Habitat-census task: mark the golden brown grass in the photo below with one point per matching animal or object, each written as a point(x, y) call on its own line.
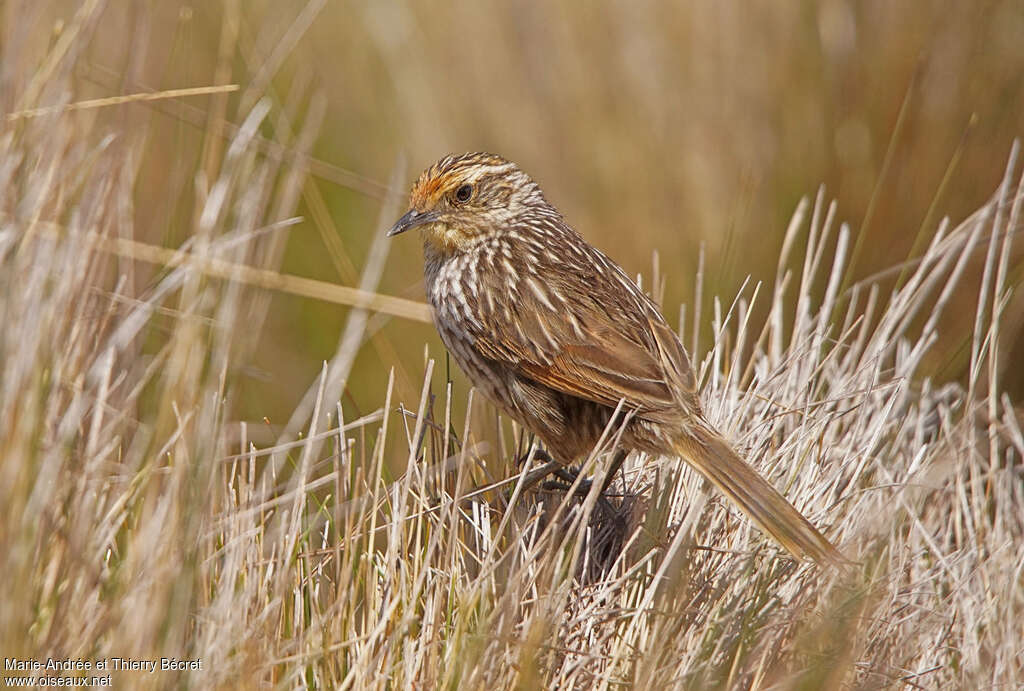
point(141, 516)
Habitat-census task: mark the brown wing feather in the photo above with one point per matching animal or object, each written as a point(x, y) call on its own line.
point(608, 362)
point(673, 355)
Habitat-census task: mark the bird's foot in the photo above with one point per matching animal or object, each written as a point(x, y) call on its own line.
point(544, 466)
point(537, 454)
point(566, 478)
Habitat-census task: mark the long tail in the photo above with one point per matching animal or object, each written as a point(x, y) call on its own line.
point(710, 454)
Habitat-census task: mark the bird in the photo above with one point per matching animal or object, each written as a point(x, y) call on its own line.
point(558, 337)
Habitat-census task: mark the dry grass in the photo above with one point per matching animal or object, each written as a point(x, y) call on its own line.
point(139, 519)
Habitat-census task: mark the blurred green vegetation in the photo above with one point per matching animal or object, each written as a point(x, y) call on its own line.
point(652, 126)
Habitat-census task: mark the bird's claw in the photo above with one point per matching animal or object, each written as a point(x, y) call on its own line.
point(538, 454)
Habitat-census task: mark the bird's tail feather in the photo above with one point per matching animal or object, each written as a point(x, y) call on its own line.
point(715, 459)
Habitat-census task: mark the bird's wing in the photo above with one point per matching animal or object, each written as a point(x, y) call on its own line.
point(599, 352)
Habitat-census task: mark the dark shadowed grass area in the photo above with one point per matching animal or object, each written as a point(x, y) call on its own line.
point(373, 530)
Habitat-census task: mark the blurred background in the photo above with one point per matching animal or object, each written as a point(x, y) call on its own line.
point(652, 126)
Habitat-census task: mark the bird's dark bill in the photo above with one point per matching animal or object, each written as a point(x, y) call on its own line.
point(410, 220)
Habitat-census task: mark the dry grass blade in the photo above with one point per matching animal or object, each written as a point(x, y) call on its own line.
point(268, 279)
point(120, 100)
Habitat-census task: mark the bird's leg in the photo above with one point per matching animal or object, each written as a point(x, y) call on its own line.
point(548, 466)
point(539, 454)
point(617, 461)
point(565, 475)
point(568, 477)
point(541, 472)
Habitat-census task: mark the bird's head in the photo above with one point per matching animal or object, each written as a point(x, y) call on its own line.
point(462, 200)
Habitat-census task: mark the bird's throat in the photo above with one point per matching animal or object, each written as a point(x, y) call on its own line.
point(444, 240)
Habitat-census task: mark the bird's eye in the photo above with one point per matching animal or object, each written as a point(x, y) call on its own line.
point(463, 194)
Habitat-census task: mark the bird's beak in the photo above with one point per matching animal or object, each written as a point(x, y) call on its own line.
point(412, 219)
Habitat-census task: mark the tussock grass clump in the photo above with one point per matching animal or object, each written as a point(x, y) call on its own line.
point(140, 521)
